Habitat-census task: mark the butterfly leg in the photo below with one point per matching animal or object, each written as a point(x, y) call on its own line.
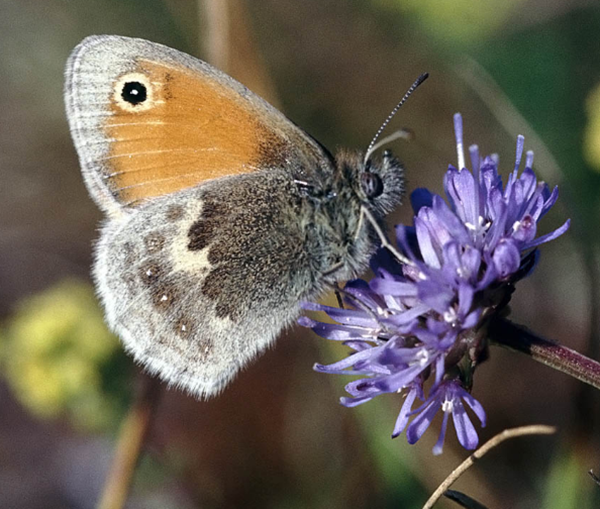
point(382, 237)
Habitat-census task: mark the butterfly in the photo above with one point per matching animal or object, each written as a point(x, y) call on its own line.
point(222, 215)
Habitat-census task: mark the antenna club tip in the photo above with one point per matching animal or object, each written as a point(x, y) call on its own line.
point(418, 82)
point(421, 79)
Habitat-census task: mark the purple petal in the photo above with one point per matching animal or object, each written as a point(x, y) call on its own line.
point(406, 238)
point(337, 332)
point(465, 431)
point(450, 188)
point(452, 256)
point(363, 387)
point(475, 160)
point(525, 229)
point(321, 368)
point(422, 421)
point(400, 379)
point(435, 295)
point(428, 336)
point(398, 355)
point(535, 206)
point(466, 197)
point(426, 245)
point(551, 200)
point(344, 316)
point(408, 316)
point(470, 263)
point(352, 402)
point(439, 369)
point(435, 328)
point(465, 299)
point(453, 227)
point(498, 212)
point(345, 363)
point(548, 237)
point(360, 289)
point(305, 321)
point(529, 182)
point(476, 407)
point(403, 416)
point(489, 175)
point(359, 345)
point(420, 197)
point(507, 258)
point(394, 288)
point(439, 445)
point(490, 274)
point(471, 319)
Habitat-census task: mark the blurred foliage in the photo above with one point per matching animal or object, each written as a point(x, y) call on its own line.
point(60, 359)
point(547, 71)
point(566, 487)
point(458, 21)
point(592, 131)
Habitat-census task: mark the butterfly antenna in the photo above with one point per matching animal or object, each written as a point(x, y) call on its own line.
point(412, 88)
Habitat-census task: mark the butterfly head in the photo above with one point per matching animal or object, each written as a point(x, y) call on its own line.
point(375, 183)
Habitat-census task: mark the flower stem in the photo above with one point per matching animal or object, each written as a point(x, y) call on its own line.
point(516, 337)
point(131, 439)
point(536, 429)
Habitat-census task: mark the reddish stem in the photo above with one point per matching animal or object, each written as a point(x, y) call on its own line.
point(516, 337)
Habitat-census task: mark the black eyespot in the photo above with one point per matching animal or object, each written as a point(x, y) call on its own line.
point(371, 184)
point(134, 92)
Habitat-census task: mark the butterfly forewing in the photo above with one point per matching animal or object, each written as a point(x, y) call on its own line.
point(148, 120)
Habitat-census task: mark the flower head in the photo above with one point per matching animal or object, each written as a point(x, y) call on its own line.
point(426, 318)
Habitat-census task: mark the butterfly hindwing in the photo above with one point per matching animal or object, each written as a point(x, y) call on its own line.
point(198, 282)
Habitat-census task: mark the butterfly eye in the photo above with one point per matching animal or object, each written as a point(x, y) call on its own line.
point(134, 92)
point(371, 184)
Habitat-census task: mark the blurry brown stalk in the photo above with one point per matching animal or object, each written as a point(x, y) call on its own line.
point(229, 45)
point(132, 436)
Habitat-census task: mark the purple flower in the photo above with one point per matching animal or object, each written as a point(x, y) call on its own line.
point(447, 397)
point(426, 320)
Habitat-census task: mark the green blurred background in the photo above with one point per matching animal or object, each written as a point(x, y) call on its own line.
point(277, 438)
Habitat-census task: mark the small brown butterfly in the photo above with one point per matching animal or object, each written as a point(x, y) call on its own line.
point(222, 215)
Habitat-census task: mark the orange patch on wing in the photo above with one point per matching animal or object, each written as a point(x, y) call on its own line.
point(188, 130)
